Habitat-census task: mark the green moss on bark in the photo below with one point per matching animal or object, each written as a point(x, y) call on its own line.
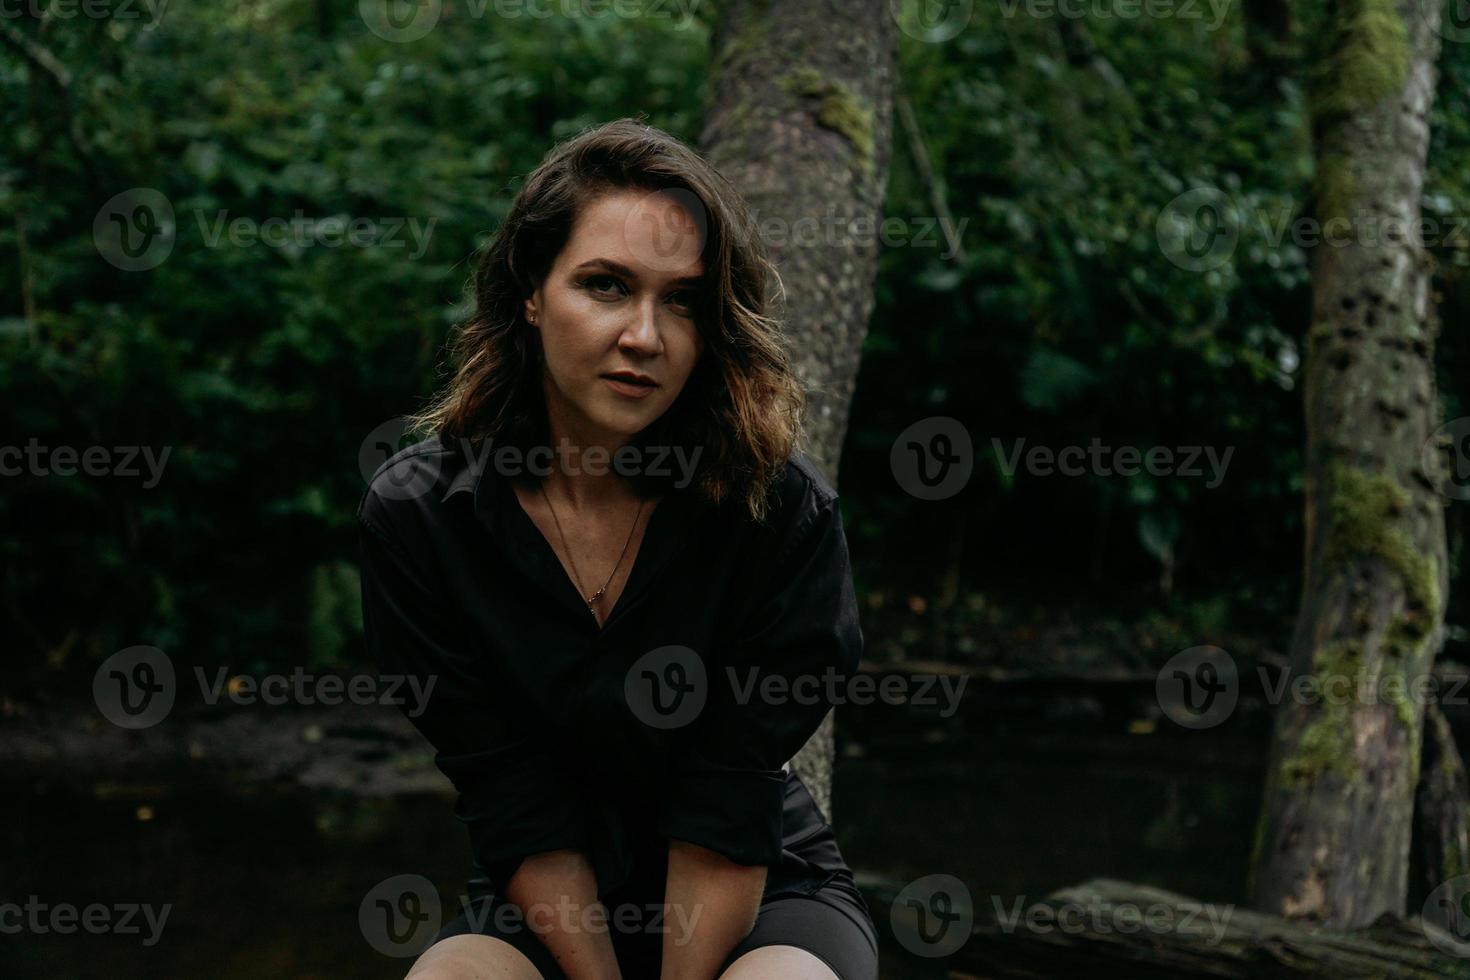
point(1364, 514)
point(1326, 744)
point(1367, 59)
point(1335, 190)
point(839, 109)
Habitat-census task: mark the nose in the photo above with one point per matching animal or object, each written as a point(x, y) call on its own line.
point(641, 334)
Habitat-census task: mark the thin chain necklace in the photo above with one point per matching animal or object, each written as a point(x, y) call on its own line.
point(590, 600)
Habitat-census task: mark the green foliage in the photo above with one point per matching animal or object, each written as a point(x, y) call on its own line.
point(262, 368)
point(1066, 320)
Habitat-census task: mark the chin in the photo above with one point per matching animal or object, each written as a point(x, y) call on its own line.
point(627, 422)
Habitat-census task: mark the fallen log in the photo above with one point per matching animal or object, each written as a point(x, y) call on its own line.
point(1109, 928)
point(1105, 927)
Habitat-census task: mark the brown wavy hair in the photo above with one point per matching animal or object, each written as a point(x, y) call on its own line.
point(742, 406)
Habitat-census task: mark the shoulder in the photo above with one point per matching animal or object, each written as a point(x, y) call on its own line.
point(800, 497)
point(804, 484)
point(407, 491)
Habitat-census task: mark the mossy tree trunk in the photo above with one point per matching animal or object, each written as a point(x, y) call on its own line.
point(1334, 837)
point(798, 117)
point(1441, 821)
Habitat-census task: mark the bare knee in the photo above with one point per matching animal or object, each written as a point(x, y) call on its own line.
point(472, 957)
point(787, 962)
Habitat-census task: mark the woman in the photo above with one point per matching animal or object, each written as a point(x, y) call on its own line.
point(630, 591)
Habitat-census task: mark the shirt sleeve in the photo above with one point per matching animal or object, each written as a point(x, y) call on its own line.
point(725, 788)
point(513, 798)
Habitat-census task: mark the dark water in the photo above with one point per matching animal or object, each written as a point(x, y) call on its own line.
point(1016, 794)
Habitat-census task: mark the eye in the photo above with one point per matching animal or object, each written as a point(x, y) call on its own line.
point(691, 298)
point(591, 283)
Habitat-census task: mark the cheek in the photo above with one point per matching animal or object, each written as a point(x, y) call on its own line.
point(569, 349)
point(694, 346)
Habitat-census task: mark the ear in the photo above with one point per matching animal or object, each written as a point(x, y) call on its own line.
point(530, 309)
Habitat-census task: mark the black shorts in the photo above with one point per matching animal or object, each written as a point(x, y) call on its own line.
point(832, 923)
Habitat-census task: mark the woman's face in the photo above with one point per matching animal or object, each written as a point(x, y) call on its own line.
point(620, 298)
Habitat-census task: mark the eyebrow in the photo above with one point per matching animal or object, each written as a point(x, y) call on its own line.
point(628, 273)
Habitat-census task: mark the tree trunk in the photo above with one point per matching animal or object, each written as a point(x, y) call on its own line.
point(1333, 840)
point(798, 118)
point(1441, 851)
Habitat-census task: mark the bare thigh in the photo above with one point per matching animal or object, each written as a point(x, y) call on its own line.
point(786, 962)
point(473, 957)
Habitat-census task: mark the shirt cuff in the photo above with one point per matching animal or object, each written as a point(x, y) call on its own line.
point(511, 818)
point(733, 812)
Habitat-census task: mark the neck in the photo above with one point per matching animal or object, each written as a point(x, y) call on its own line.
point(582, 476)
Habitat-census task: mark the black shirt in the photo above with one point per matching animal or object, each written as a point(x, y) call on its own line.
point(557, 733)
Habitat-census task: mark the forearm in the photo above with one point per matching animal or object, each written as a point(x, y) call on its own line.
point(712, 904)
point(557, 891)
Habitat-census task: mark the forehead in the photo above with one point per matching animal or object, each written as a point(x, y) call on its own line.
point(651, 233)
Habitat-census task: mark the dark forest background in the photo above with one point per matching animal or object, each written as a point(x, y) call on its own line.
point(1063, 147)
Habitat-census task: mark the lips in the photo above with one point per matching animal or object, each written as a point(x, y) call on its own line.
point(628, 377)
